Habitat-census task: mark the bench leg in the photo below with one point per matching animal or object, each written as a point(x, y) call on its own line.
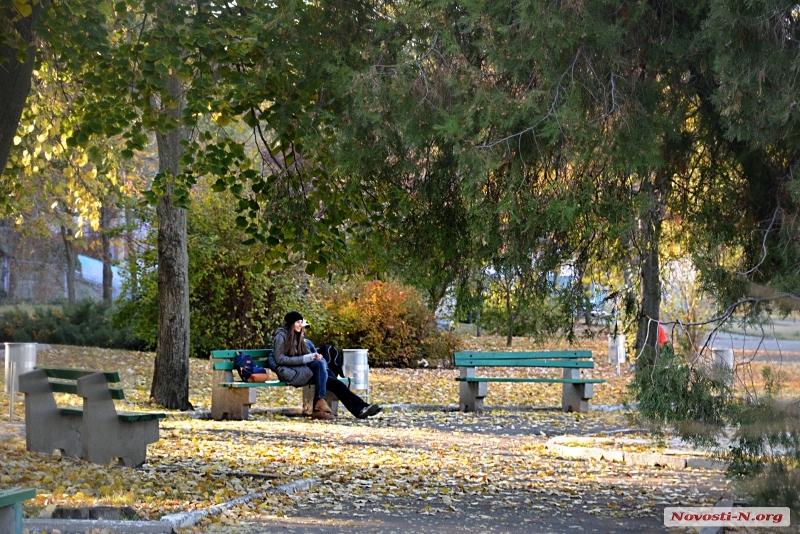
point(308, 400)
point(105, 437)
point(11, 519)
point(471, 395)
point(575, 397)
point(46, 428)
point(232, 403)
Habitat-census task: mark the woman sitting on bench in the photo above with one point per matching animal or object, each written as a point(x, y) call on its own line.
point(294, 364)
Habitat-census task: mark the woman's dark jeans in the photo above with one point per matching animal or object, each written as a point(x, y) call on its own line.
point(323, 382)
point(351, 401)
point(320, 381)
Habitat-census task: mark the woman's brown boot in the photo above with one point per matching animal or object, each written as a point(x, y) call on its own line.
point(321, 410)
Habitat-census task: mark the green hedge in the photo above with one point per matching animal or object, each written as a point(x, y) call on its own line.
point(86, 323)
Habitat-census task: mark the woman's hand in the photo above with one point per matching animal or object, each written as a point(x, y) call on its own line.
point(317, 356)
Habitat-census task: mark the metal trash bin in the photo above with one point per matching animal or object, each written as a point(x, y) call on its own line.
point(723, 359)
point(23, 356)
point(355, 365)
point(616, 348)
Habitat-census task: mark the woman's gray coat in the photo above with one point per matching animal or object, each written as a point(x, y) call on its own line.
point(291, 369)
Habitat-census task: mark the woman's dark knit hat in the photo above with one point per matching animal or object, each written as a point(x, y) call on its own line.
point(292, 317)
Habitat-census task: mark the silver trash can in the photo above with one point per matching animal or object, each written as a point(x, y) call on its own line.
point(723, 360)
point(355, 365)
point(616, 348)
point(23, 356)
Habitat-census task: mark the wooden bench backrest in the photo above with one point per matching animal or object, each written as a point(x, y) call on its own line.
point(12, 496)
point(223, 359)
point(574, 359)
point(64, 380)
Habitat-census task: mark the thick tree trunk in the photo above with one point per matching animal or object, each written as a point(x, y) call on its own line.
point(108, 274)
point(647, 331)
point(649, 310)
point(15, 79)
point(170, 386)
point(69, 252)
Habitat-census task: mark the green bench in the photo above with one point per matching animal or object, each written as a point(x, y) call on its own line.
point(11, 508)
point(576, 390)
point(95, 430)
point(231, 399)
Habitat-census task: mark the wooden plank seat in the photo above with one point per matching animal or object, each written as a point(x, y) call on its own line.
point(93, 430)
point(231, 398)
point(576, 390)
point(11, 508)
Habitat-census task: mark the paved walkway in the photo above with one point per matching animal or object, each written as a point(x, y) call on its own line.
point(564, 487)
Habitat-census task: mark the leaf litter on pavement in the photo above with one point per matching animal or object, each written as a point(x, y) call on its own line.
point(404, 461)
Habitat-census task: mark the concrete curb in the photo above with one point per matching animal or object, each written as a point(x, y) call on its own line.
point(676, 460)
point(165, 525)
point(81, 526)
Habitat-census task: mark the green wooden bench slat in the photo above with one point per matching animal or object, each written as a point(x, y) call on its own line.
point(123, 416)
point(140, 416)
point(13, 496)
point(543, 355)
point(74, 374)
point(546, 380)
point(228, 366)
point(235, 385)
point(561, 364)
point(231, 354)
point(269, 384)
point(63, 387)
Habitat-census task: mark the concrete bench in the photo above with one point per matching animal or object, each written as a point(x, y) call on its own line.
point(11, 508)
point(576, 391)
point(94, 431)
point(231, 399)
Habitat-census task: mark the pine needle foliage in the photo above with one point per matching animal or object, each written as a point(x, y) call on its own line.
point(757, 435)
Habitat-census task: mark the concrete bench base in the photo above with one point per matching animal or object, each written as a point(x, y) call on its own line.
point(47, 428)
point(232, 400)
point(11, 509)
point(96, 431)
point(107, 435)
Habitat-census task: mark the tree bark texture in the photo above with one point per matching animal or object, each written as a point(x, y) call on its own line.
point(170, 386)
point(131, 252)
point(108, 274)
point(15, 79)
point(69, 253)
point(649, 309)
point(509, 310)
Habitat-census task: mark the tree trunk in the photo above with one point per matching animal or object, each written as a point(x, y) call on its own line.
point(15, 79)
point(170, 386)
point(509, 337)
point(69, 252)
point(108, 274)
point(649, 310)
point(130, 250)
point(647, 331)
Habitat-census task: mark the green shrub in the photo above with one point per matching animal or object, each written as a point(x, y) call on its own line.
point(757, 434)
point(230, 306)
point(86, 323)
point(388, 319)
point(438, 348)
